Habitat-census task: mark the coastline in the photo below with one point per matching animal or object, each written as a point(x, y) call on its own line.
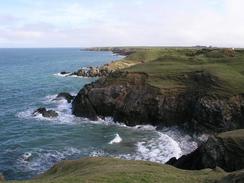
point(196, 100)
point(132, 81)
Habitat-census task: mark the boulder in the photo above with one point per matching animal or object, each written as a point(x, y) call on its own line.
point(80, 72)
point(65, 96)
point(225, 150)
point(46, 113)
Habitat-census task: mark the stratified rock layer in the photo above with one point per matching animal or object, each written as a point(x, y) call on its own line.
point(128, 98)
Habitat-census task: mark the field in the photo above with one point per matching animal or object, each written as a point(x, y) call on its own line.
point(214, 72)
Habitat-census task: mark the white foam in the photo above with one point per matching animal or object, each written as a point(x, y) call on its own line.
point(61, 106)
point(28, 114)
point(62, 75)
point(117, 139)
point(50, 99)
point(26, 156)
point(40, 160)
point(186, 142)
point(159, 149)
point(75, 76)
point(144, 127)
point(69, 75)
point(98, 153)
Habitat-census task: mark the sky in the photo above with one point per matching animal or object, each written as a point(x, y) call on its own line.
point(89, 23)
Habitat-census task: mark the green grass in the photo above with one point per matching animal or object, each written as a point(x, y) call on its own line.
point(122, 171)
point(179, 69)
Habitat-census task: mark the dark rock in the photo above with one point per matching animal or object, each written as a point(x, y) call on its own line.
point(65, 96)
point(46, 113)
point(225, 150)
point(92, 72)
point(64, 72)
point(234, 177)
point(80, 72)
point(129, 99)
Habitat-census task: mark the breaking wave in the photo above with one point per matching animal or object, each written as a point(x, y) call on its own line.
point(39, 160)
point(117, 139)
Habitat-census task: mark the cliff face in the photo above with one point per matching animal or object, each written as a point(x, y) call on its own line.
point(225, 150)
point(128, 98)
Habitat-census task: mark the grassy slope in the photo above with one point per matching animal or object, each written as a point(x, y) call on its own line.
point(115, 170)
point(171, 68)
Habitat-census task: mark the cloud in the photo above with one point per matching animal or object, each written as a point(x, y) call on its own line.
point(117, 22)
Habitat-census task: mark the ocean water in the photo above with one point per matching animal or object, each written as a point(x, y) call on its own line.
point(31, 145)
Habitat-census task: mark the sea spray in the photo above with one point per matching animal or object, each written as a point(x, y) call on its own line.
point(117, 139)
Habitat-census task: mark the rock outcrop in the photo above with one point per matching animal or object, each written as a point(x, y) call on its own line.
point(65, 73)
point(65, 96)
point(225, 150)
point(46, 113)
point(89, 72)
point(234, 177)
point(92, 72)
point(128, 98)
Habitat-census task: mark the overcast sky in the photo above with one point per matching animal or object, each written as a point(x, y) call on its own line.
point(85, 23)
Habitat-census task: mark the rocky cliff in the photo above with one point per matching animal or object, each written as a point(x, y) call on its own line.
point(128, 98)
point(225, 150)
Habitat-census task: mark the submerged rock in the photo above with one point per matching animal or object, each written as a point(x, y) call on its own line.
point(46, 113)
point(65, 96)
point(64, 73)
point(225, 150)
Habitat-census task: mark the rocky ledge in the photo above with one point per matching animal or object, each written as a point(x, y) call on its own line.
point(89, 72)
point(128, 98)
point(46, 113)
point(68, 97)
point(225, 150)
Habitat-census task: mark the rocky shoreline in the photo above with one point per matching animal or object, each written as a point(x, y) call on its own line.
point(88, 72)
point(129, 99)
point(225, 150)
point(102, 71)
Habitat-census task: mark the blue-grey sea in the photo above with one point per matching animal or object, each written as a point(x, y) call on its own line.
point(29, 145)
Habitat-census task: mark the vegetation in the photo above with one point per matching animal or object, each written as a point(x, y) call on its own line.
point(214, 72)
point(208, 71)
point(122, 171)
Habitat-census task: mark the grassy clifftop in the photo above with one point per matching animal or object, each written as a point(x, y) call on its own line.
point(115, 170)
point(214, 72)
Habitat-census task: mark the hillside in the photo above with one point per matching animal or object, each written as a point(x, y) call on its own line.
point(200, 89)
point(219, 72)
point(122, 171)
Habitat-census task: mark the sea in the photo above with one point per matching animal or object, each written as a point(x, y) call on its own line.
point(30, 145)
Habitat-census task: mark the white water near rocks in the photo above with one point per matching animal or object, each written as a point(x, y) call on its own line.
point(117, 139)
point(162, 146)
point(32, 144)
